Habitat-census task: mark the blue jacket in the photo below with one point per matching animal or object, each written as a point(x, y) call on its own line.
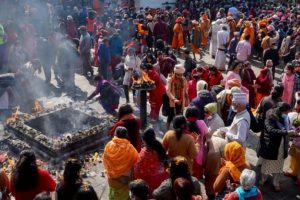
point(104, 53)
point(116, 45)
point(205, 97)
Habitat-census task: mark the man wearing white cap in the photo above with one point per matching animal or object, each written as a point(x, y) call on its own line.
point(240, 126)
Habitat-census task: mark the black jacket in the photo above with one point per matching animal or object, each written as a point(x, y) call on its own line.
point(271, 138)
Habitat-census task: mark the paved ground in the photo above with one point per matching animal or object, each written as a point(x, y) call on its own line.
point(52, 95)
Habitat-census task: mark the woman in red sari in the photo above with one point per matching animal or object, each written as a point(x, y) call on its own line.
point(152, 161)
point(155, 96)
point(131, 123)
point(264, 82)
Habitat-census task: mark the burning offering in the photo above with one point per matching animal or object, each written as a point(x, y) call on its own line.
point(143, 82)
point(59, 132)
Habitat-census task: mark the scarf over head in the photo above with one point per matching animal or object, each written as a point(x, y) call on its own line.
point(234, 158)
point(119, 157)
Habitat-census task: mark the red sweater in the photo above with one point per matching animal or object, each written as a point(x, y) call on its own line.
point(45, 184)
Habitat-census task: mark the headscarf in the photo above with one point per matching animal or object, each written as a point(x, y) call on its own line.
point(234, 158)
point(119, 157)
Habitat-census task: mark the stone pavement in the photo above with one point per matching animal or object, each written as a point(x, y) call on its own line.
point(52, 95)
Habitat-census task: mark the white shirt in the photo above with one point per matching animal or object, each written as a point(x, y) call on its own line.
point(222, 39)
point(132, 62)
point(239, 128)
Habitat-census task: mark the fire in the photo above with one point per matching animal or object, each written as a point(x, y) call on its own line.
point(37, 107)
point(14, 116)
point(144, 79)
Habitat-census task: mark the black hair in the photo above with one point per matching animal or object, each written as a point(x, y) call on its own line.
point(179, 168)
point(183, 189)
point(72, 179)
point(283, 107)
point(43, 196)
point(124, 110)
point(86, 192)
point(98, 78)
point(151, 141)
point(234, 64)
point(247, 37)
point(290, 67)
point(121, 132)
point(179, 124)
point(25, 174)
point(139, 188)
point(277, 91)
point(192, 112)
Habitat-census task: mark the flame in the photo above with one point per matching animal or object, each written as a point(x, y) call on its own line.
point(37, 107)
point(14, 116)
point(143, 79)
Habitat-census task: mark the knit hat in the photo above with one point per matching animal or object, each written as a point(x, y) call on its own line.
point(179, 69)
point(211, 107)
point(239, 98)
point(201, 85)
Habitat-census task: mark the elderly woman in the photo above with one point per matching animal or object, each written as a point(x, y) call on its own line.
point(203, 97)
point(247, 190)
point(131, 65)
point(212, 118)
point(177, 91)
point(274, 143)
point(178, 168)
point(234, 163)
point(119, 157)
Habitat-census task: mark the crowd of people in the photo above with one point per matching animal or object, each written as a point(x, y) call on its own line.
point(210, 109)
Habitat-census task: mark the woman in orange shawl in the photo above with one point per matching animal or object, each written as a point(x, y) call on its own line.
point(119, 158)
point(234, 163)
point(248, 30)
point(178, 41)
point(205, 26)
